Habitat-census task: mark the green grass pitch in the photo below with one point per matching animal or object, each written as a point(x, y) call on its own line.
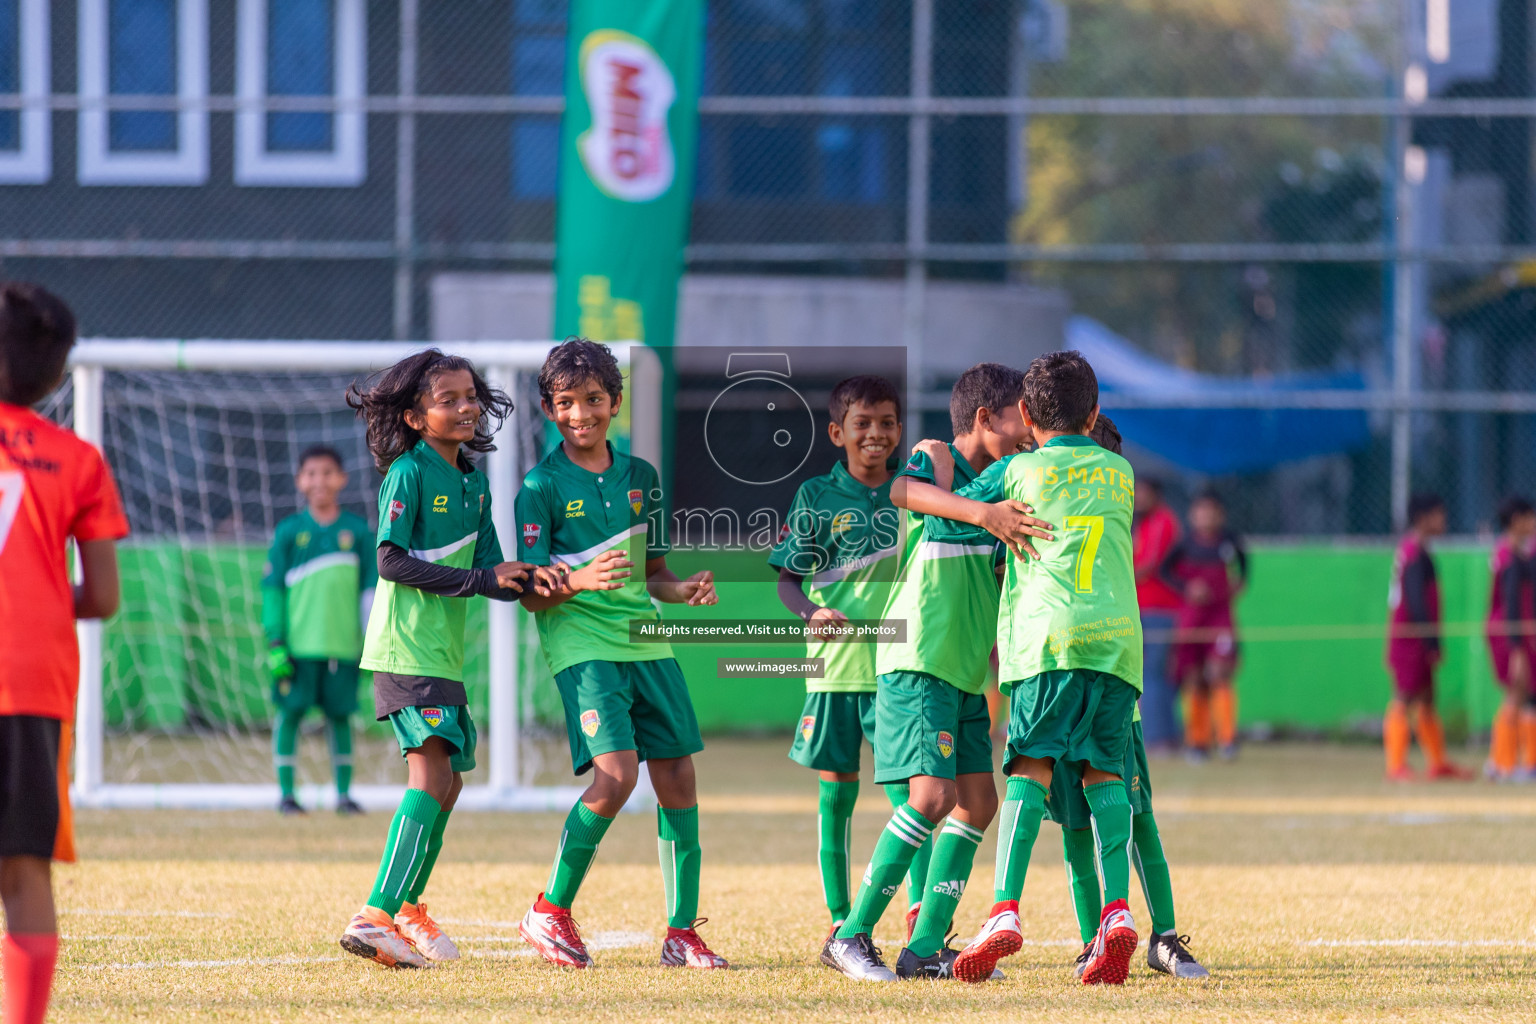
point(1312, 890)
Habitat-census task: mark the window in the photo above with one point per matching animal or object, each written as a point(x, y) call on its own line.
point(24, 134)
point(538, 69)
point(152, 48)
point(299, 48)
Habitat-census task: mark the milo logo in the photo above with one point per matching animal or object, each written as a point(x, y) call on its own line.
point(627, 152)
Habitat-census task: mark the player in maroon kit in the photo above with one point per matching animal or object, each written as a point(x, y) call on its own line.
point(1209, 569)
point(1413, 647)
point(1509, 631)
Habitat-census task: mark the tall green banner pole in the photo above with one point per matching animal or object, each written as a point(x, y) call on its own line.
point(627, 145)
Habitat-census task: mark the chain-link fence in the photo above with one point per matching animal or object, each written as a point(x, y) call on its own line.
point(1300, 232)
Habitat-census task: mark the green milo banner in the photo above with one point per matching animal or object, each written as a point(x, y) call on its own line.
point(627, 145)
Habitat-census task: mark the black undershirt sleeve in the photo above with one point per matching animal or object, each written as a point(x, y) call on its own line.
point(793, 595)
point(398, 566)
point(1417, 577)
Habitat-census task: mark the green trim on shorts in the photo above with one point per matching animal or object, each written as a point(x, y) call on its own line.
point(926, 726)
point(450, 721)
point(832, 728)
point(1067, 806)
point(1071, 714)
point(642, 706)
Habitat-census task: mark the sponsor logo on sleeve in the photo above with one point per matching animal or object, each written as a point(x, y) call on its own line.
point(530, 534)
point(396, 509)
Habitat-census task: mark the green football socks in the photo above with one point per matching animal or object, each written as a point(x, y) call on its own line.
point(434, 847)
point(898, 794)
point(904, 834)
point(1111, 809)
point(285, 745)
point(405, 854)
point(953, 856)
point(1152, 866)
point(341, 757)
point(1083, 876)
point(677, 841)
point(1023, 807)
point(834, 812)
point(584, 829)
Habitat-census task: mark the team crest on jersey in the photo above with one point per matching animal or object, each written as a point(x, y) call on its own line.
point(530, 534)
point(395, 510)
point(344, 540)
point(946, 744)
point(432, 716)
point(590, 722)
point(808, 727)
point(634, 499)
point(302, 540)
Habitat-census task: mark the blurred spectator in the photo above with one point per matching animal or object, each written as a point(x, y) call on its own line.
point(1155, 530)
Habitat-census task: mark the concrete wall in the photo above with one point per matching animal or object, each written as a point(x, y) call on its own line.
point(966, 323)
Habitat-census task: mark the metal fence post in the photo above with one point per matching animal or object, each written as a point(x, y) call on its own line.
point(405, 175)
point(919, 125)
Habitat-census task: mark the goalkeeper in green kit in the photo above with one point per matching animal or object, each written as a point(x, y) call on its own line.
point(315, 595)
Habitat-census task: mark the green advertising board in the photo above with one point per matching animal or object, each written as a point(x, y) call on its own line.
point(627, 144)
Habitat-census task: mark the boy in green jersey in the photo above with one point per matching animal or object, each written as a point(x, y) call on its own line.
point(436, 547)
point(932, 727)
point(1167, 951)
point(1069, 642)
point(840, 535)
point(594, 512)
point(314, 599)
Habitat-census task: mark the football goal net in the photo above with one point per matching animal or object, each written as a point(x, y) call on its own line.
point(175, 706)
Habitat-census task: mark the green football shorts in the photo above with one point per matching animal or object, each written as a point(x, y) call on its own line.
point(1071, 715)
point(832, 728)
point(330, 685)
point(450, 721)
point(627, 705)
point(1068, 807)
point(925, 726)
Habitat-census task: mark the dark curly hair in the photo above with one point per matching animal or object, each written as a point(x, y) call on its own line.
point(1106, 435)
point(576, 360)
point(37, 330)
point(383, 399)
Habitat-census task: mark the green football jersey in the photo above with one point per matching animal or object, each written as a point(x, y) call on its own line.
point(946, 591)
point(569, 514)
point(841, 536)
point(438, 513)
point(1074, 607)
point(313, 586)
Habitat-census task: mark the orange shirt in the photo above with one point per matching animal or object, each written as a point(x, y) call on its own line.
point(53, 486)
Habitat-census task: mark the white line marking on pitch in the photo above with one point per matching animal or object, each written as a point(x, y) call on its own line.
point(598, 941)
point(1412, 943)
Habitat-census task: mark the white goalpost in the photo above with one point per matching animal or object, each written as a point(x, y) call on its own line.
point(201, 436)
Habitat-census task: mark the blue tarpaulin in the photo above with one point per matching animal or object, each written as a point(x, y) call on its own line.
point(1215, 441)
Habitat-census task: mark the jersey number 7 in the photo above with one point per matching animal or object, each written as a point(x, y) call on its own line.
point(12, 487)
point(1092, 529)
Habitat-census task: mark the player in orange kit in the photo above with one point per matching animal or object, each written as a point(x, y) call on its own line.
point(53, 486)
